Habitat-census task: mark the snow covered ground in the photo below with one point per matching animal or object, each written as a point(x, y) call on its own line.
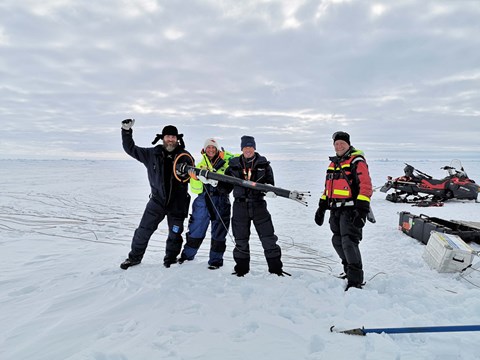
point(65, 226)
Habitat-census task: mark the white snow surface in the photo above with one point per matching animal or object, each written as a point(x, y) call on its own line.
point(65, 226)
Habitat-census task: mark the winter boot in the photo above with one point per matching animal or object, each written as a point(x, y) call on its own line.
point(354, 285)
point(182, 258)
point(275, 266)
point(242, 267)
point(216, 260)
point(129, 262)
point(213, 265)
point(167, 262)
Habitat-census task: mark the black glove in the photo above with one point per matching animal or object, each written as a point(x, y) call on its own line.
point(320, 214)
point(361, 211)
point(359, 219)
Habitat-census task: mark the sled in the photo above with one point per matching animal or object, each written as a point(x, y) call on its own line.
point(420, 227)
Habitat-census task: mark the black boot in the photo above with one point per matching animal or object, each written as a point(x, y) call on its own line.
point(182, 258)
point(343, 275)
point(353, 285)
point(129, 262)
point(242, 267)
point(275, 266)
point(354, 276)
point(167, 262)
point(214, 265)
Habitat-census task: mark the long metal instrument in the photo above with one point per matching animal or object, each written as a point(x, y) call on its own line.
point(299, 196)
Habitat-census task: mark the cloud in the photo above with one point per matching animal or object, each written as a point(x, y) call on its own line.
point(287, 72)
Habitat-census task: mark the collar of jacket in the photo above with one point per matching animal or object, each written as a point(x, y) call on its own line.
point(259, 160)
point(351, 151)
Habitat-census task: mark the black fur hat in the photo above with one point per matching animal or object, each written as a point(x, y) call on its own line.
point(170, 130)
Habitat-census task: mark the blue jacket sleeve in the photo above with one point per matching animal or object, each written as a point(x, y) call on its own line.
point(138, 153)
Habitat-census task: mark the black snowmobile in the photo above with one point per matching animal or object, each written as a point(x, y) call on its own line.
point(423, 190)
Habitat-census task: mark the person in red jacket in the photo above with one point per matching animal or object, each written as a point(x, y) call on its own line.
point(348, 189)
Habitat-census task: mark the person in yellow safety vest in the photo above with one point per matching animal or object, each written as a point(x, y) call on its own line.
point(211, 206)
point(348, 189)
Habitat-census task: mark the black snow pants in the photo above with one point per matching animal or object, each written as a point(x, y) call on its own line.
point(153, 215)
point(244, 212)
point(346, 238)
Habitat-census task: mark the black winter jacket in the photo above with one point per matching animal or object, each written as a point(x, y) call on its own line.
point(161, 179)
point(261, 172)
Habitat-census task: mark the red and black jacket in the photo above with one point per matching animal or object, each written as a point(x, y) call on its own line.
point(348, 182)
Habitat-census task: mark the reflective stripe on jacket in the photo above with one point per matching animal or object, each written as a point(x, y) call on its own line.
point(219, 166)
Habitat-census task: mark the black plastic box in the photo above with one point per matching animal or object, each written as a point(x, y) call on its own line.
point(420, 226)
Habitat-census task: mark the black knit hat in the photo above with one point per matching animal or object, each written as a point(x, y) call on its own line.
point(341, 135)
point(247, 141)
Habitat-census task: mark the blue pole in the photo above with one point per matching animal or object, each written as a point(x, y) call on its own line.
point(424, 329)
point(405, 330)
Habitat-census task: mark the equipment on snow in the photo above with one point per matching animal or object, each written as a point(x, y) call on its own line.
point(407, 330)
point(420, 188)
point(420, 227)
point(447, 253)
point(298, 196)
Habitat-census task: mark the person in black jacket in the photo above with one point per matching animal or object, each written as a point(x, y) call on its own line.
point(169, 193)
point(250, 205)
point(347, 194)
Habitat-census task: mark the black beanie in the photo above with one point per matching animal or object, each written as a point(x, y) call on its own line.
point(247, 141)
point(341, 135)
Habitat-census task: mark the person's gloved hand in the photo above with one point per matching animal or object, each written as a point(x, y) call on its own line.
point(127, 124)
point(320, 213)
point(319, 216)
point(192, 174)
point(204, 180)
point(359, 219)
point(361, 211)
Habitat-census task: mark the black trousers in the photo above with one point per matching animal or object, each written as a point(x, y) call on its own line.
point(153, 215)
point(346, 238)
point(244, 213)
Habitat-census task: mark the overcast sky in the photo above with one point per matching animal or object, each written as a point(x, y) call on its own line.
point(401, 76)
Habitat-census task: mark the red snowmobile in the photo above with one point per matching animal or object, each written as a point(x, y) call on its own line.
point(422, 189)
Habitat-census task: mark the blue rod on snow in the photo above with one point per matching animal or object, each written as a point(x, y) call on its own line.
point(299, 196)
point(408, 330)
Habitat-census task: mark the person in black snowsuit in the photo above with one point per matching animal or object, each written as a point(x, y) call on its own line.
point(347, 193)
point(169, 193)
point(250, 205)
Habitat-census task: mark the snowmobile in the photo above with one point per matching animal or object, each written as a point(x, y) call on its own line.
point(423, 190)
